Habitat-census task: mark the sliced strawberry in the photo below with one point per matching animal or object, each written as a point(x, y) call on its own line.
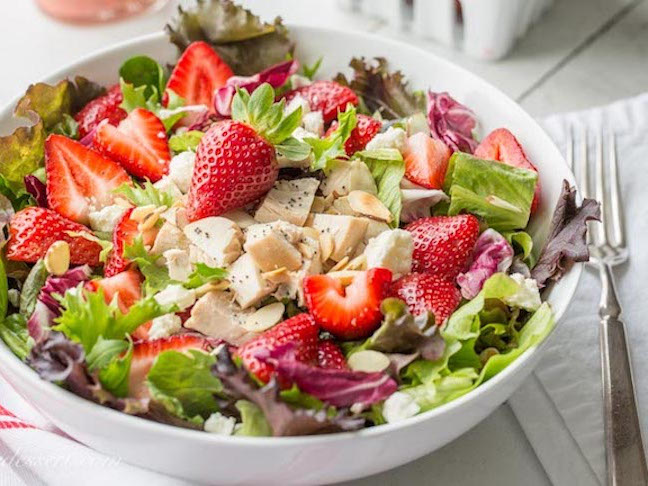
point(366, 129)
point(443, 245)
point(34, 229)
point(198, 73)
point(79, 178)
point(145, 352)
point(300, 330)
point(352, 312)
point(328, 97)
point(423, 292)
point(234, 167)
point(329, 355)
point(105, 107)
point(124, 234)
point(502, 146)
point(139, 144)
point(426, 161)
point(127, 286)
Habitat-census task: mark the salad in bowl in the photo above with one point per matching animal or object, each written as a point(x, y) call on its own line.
point(238, 245)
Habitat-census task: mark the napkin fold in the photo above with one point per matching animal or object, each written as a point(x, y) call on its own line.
point(570, 372)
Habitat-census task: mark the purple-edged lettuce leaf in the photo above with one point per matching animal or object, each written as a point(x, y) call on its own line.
point(566, 242)
point(492, 254)
point(37, 189)
point(451, 122)
point(276, 76)
point(46, 307)
point(247, 44)
point(283, 419)
point(381, 90)
point(403, 333)
point(340, 388)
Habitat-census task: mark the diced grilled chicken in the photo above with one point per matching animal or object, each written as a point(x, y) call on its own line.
point(347, 232)
point(246, 281)
point(288, 200)
point(347, 176)
point(219, 238)
point(169, 238)
point(216, 315)
point(271, 248)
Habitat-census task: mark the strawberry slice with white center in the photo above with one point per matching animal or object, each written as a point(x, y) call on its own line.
point(79, 179)
point(139, 144)
point(124, 234)
point(145, 352)
point(426, 161)
point(352, 312)
point(198, 73)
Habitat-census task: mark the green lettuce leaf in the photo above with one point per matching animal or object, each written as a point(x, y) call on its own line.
point(185, 141)
point(387, 168)
point(326, 150)
point(144, 71)
point(86, 317)
point(522, 243)
point(500, 194)
point(156, 277)
point(240, 38)
point(21, 153)
point(203, 274)
point(138, 97)
point(32, 287)
point(145, 194)
point(112, 359)
point(311, 71)
point(381, 91)
point(254, 422)
point(13, 331)
point(184, 384)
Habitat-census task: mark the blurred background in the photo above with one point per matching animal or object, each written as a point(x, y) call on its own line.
point(550, 55)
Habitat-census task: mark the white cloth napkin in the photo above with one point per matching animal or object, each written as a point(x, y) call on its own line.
point(569, 376)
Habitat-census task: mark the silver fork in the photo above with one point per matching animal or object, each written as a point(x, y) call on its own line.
point(626, 459)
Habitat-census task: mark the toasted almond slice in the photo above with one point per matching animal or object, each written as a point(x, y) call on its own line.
point(368, 361)
point(306, 250)
point(345, 277)
point(327, 244)
point(265, 317)
point(369, 205)
point(148, 222)
point(311, 232)
point(340, 265)
point(358, 263)
point(57, 258)
point(280, 275)
point(140, 213)
point(212, 286)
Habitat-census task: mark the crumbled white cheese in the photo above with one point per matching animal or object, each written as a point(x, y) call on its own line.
point(299, 81)
point(181, 169)
point(106, 219)
point(528, 297)
point(177, 261)
point(165, 326)
point(178, 295)
point(399, 406)
point(314, 122)
point(217, 423)
point(295, 103)
point(391, 250)
point(166, 184)
point(393, 138)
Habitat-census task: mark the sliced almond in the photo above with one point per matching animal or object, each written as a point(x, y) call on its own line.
point(327, 244)
point(369, 205)
point(311, 232)
point(211, 287)
point(345, 277)
point(368, 361)
point(358, 263)
point(280, 275)
point(57, 258)
point(265, 317)
point(340, 265)
point(307, 251)
point(140, 213)
point(149, 221)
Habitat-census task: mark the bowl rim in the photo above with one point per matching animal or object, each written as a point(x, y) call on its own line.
point(22, 370)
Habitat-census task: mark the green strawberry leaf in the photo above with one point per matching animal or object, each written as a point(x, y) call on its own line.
point(325, 150)
point(183, 142)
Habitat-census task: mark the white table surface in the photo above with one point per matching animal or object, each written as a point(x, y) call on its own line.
point(582, 53)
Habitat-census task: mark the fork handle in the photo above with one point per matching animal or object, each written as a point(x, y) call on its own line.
point(626, 459)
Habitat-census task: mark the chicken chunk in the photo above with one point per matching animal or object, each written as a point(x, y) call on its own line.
point(219, 238)
point(271, 248)
point(169, 238)
point(347, 232)
point(288, 201)
point(347, 176)
point(246, 281)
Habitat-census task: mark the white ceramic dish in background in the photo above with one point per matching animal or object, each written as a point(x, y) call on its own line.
point(315, 459)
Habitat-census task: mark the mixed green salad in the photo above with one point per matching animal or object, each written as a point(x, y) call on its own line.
point(239, 245)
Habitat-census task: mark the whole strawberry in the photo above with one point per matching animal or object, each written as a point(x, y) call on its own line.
point(105, 107)
point(328, 97)
point(33, 229)
point(236, 161)
point(301, 330)
point(443, 245)
point(329, 355)
point(367, 127)
point(423, 292)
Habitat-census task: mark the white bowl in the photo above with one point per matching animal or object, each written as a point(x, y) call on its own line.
point(315, 459)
